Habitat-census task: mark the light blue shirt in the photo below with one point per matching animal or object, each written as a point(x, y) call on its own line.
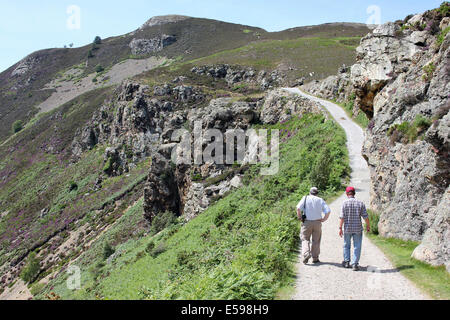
point(314, 207)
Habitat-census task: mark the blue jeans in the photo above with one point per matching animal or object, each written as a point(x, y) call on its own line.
point(357, 244)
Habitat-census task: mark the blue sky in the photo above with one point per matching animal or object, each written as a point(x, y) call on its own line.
point(30, 25)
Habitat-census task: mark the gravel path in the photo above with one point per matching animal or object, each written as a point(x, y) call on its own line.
point(378, 279)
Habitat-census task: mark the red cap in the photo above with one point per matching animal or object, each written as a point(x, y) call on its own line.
point(350, 189)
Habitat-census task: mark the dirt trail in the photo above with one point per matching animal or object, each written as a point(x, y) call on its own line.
point(378, 279)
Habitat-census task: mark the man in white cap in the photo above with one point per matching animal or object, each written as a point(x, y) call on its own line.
point(313, 207)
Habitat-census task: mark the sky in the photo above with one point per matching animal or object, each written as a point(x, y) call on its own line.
point(29, 25)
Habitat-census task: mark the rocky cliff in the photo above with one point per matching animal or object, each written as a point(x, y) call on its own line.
point(401, 81)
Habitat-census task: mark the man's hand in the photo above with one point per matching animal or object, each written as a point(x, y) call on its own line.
point(325, 218)
point(341, 233)
point(367, 228)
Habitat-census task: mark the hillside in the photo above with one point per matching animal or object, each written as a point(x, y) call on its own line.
point(37, 77)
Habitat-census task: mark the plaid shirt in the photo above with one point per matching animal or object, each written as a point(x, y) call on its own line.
point(352, 211)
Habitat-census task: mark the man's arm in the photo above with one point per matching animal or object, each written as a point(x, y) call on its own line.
point(365, 217)
point(326, 210)
point(367, 224)
point(299, 211)
point(341, 223)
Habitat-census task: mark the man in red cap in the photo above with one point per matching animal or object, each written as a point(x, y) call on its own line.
point(351, 213)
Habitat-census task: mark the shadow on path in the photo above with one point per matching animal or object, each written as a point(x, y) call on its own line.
point(370, 269)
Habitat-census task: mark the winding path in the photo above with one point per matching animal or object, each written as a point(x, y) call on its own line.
point(378, 279)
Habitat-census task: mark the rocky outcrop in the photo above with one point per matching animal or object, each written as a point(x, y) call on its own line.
point(236, 74)
point(402, 82)
point(147, 46)
point(160, 20)
point(281, 106)
point(161, 190)
point(336, 87)
point(25, 65)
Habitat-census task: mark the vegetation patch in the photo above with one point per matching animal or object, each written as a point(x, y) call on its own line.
point(442, 35)
point(433, 280)
point(407, 132)
point(360, 118)
point(428, 72)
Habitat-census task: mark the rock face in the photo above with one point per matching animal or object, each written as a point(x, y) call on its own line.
point(281, 106)
point(160, 20)
point(233, 75)
point(334, 87)
point(402, 82)
point(25, 65)
point(147, 46)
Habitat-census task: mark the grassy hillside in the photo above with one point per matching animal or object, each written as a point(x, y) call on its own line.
point(230, 251)
point(42, 193)
point(295, 57)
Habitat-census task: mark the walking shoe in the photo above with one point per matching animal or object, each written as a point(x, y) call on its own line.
point(306, 259)
point(316, 261)
point(355, 267)
point(346, 264)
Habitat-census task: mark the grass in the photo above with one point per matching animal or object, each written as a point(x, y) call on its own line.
point(407, 132)
point(361, 118)
point(433, 280)
point(442, 35)
point(323, 56)
point(231, 251)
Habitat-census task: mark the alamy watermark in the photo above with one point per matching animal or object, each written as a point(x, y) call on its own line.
point(74, 20)
point(374, 19)
point(73, 281)
point(236, 146)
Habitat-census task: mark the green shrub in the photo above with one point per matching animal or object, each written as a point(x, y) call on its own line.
point(442, 35)
point(225, 211)
point(108, 251)
point(99, 69)
point(73, 186)
point(374, 218)
point(97, 40)
point(444, 9)
point(407, 132)
point(196, 176)
point(321, 170)
point(108, 166)
point(32, 269)
point(90, 54)
point(37, 288)
point(161, 248)
point(17, 126)
point(150, 247)
point(428, 71)
point(162, 221)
